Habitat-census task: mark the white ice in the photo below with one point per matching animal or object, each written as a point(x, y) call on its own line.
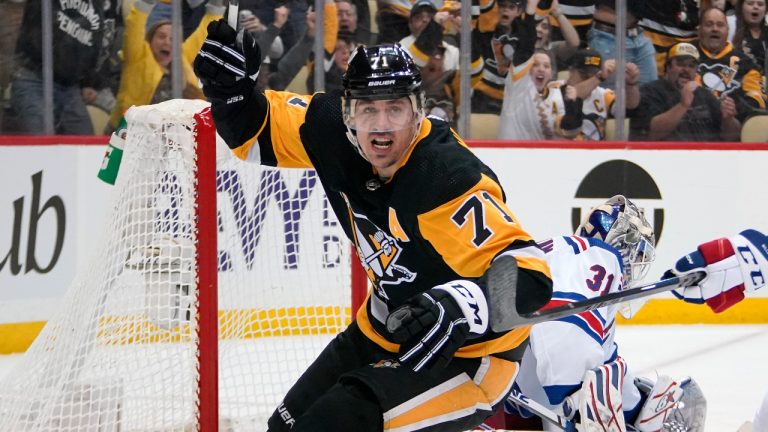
point(730, 363)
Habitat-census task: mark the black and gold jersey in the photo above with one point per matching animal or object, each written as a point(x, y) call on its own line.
point(731, 72)
point(441, 217)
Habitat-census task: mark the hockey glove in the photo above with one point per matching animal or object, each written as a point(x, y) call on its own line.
point(733, 265)
point(433, 325)
point(228, 63)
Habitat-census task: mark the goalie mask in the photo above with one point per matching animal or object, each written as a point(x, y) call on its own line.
point(622, 225)
point(382, 72)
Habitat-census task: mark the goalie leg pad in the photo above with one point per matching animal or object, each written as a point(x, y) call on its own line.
point(600, 406)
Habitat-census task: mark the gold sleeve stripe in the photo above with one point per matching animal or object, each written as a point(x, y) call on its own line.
point(510, 340)
point(330, 27)
point(610, 98)
point(495, 93)
point(479, 210)
point(457, 397)
point(419, 57)
point(576, 22)
point(520, 71)
point(751, 84)
point(286, 115)
point(534, 263)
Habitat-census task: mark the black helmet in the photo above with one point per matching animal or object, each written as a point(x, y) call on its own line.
point(381, 72)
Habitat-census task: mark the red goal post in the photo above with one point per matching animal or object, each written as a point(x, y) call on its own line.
point(215, 283)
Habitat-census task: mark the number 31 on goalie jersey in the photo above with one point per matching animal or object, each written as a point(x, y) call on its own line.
point(474, 210)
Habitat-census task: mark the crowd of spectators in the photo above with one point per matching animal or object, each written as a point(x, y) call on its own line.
point(695, 69)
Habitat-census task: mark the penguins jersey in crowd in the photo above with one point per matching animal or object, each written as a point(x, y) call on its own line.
point(441, 217)
point(582, 268)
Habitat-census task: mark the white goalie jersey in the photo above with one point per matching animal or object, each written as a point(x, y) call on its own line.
point(561, 351)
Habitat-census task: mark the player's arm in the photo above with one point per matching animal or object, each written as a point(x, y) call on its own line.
point(734, 265)
point(228, 64)
point(469, 232)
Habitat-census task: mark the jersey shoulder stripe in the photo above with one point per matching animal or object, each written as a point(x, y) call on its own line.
point(591, 322)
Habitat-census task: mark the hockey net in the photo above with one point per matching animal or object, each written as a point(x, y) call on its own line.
point(163, 321)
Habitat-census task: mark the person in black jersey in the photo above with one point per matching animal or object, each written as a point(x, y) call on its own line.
point(427, 219)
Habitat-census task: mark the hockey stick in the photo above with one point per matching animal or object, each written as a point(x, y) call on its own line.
point(232, 11)
point(539, 410)
point(502, 293)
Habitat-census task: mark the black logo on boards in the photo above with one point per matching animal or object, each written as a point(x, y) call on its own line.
point(620, 177)
point(54, 207)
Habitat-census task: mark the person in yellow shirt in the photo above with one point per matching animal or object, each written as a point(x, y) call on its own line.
point(147, 55)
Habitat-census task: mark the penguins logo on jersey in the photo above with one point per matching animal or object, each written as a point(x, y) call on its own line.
point(379, 252)
point(719, 78)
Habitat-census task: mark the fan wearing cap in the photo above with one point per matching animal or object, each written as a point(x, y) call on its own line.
point(147, 46)
point(676, 107)
point(427, 219)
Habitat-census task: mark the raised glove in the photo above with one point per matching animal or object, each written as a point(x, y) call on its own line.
point(228, 63)
point(733, 265)
point(433, 325)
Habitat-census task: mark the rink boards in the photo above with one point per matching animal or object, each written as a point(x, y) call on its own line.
point(691, 193)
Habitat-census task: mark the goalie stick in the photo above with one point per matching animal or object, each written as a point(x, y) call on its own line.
point(537, 409)
point(501, 286)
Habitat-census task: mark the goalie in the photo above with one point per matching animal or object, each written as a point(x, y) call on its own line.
point(572, 374)
point(427, 218)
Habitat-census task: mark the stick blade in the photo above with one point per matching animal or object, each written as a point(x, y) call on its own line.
point(501, 285)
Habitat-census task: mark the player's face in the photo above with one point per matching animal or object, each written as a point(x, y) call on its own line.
point(713, 30)
point(680, 70)
point(385, 131)
point(541, 72)
point(161, 45)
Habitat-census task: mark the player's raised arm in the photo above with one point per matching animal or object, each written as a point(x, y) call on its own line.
point(227, 69)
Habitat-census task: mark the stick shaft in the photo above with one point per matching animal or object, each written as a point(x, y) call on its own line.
point(232, 12)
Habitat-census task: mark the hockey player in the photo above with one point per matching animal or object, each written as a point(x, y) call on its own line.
point(612, 249)
point(427, 219)
point(572, 368)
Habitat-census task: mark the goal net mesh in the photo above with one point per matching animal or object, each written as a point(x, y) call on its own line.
point(123, 353)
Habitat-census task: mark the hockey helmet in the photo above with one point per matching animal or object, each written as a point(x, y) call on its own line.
point(382, 72)
point(621, 224)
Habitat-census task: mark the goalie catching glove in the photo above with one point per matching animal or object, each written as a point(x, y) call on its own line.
point(433, 325)
point(733, 265)
point(228, 63)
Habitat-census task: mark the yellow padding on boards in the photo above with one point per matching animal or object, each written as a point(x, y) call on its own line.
point(251, 323)
point(674, 311)
point(294, 321)
point(17, 337)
